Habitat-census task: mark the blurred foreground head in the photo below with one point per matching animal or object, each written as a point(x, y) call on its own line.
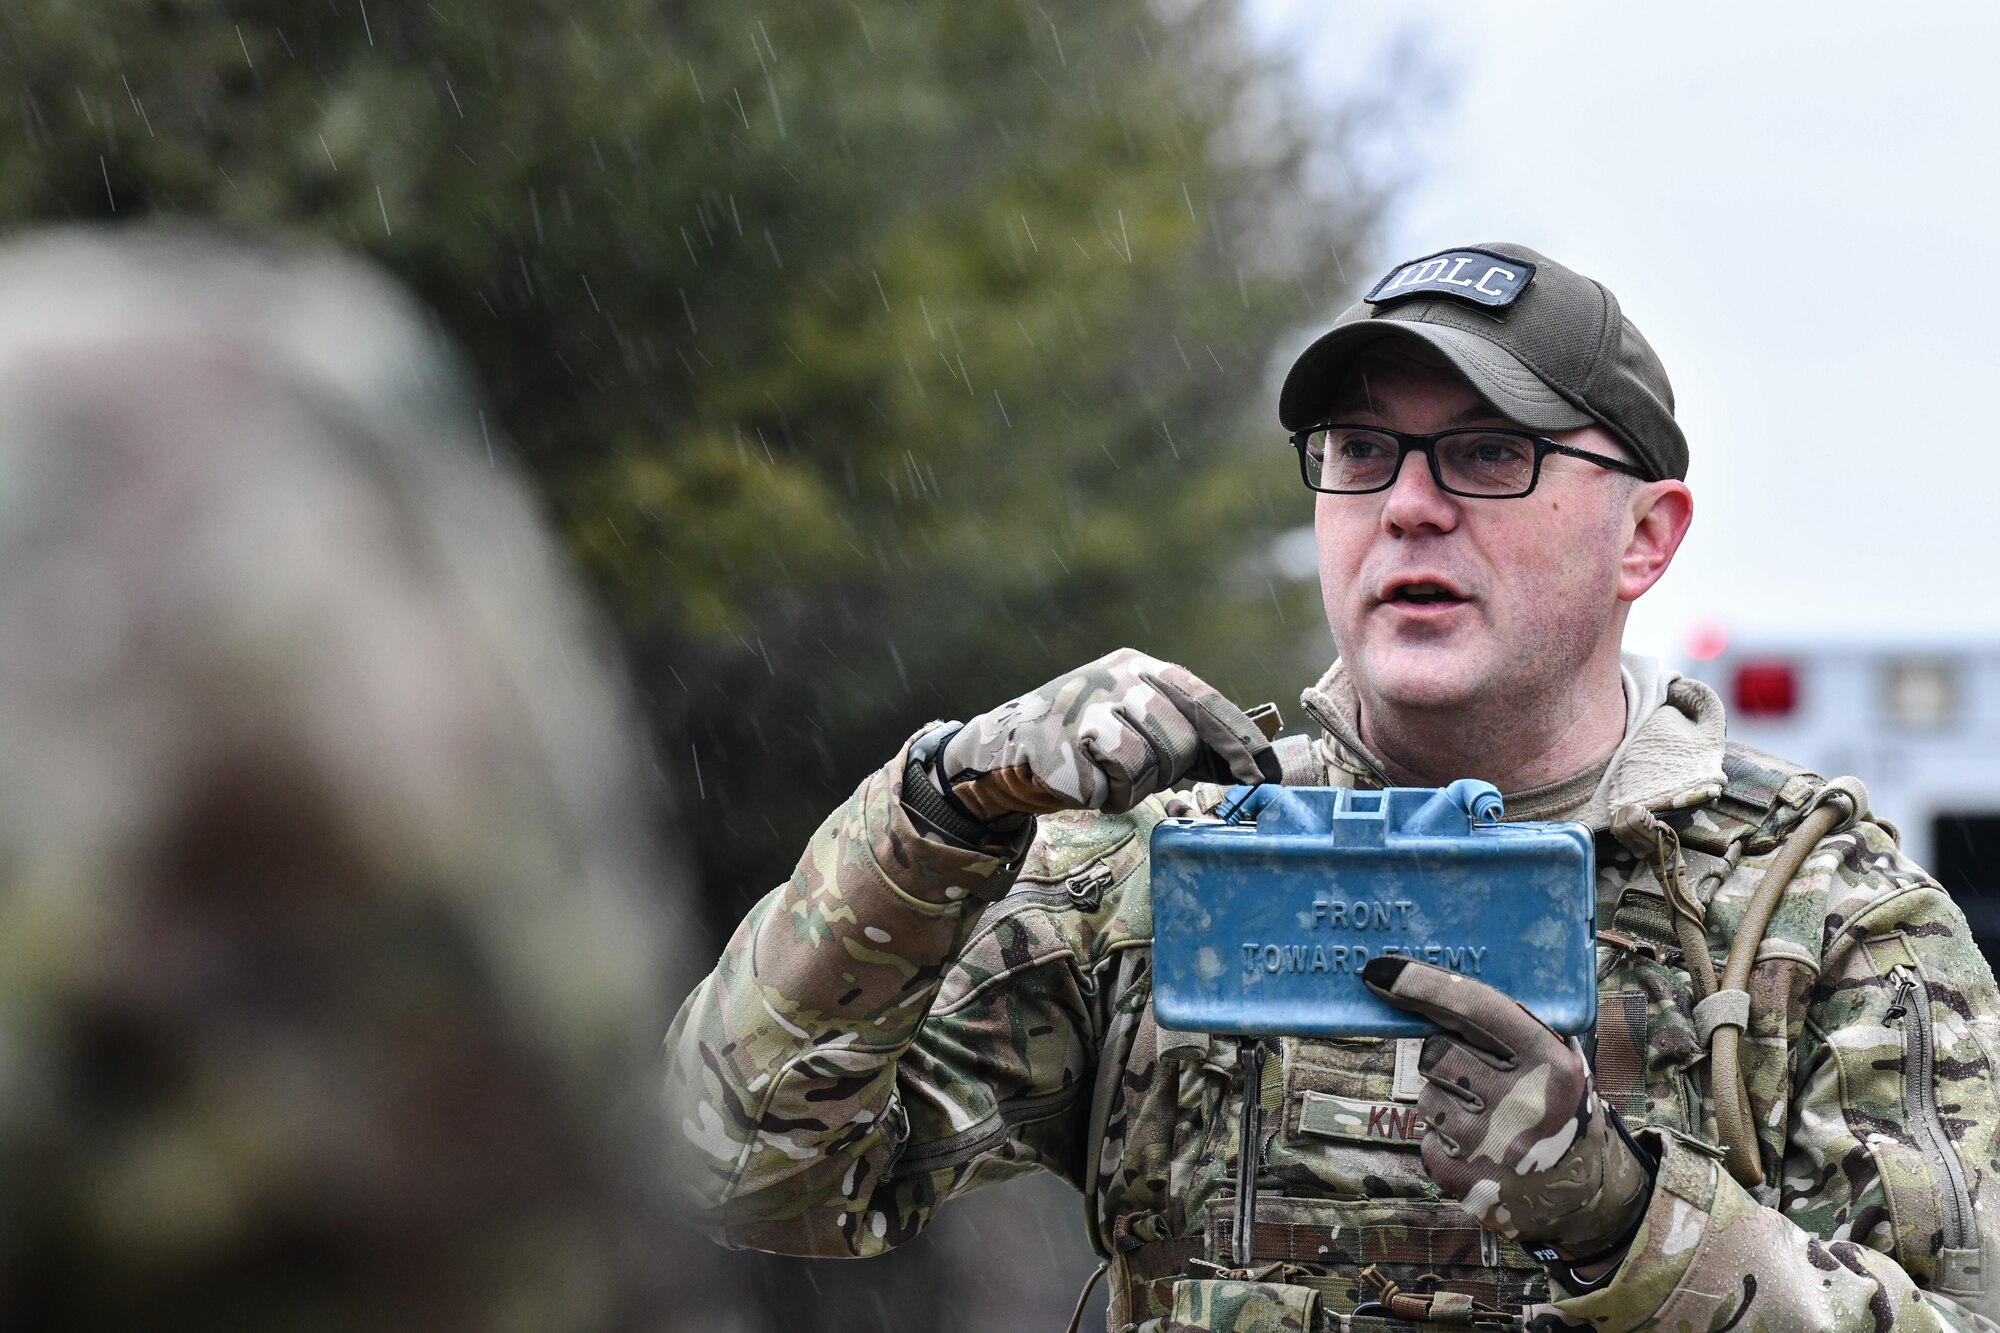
point(330, 967)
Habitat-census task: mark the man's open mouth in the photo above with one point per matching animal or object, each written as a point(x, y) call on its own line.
point(1423, 594)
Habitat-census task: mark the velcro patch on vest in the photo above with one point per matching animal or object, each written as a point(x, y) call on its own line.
point(1385, 1124)
point(1478, 276)
point(1409, 1081)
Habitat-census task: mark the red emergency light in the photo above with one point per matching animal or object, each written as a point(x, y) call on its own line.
point(1765, 689)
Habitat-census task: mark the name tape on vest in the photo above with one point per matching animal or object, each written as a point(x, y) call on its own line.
point(1477, 276)
point(1385, 1124)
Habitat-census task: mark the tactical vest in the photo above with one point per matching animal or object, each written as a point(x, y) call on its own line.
point(1351, 1233)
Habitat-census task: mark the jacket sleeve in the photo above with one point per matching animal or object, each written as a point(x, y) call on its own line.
point(820, 1101)
point(1880, 1137)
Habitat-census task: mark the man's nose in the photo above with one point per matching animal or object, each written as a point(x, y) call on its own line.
point(1415, 502)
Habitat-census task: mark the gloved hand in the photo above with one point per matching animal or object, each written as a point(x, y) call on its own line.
point(1103, 737)
point(1515, 1127)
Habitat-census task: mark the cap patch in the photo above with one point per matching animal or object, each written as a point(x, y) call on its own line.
point(1478, 276)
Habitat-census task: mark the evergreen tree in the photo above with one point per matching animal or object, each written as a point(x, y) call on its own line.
point(879, 360)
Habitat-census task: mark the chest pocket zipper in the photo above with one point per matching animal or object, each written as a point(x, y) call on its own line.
point(1912, 1008)
point(1086, 887)
point(1082, 889)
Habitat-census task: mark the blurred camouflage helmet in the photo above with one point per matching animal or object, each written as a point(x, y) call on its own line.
point(330, 967)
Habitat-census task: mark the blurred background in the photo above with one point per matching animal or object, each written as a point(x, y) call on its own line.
point(875, 361)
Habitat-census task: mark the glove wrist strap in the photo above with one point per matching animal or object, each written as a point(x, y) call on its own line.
point(1564, 1268)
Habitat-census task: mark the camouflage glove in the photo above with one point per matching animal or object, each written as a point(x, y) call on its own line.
point(1515, 1127)
point(1104, 737)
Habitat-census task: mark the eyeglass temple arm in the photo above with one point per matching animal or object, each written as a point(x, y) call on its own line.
point(1602, 460)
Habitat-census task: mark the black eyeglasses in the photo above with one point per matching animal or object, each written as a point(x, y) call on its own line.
point(1481, 462)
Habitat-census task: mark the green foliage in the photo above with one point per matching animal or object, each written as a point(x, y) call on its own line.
point(880, 360)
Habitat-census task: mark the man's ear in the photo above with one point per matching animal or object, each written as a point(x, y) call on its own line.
point(1660, 514)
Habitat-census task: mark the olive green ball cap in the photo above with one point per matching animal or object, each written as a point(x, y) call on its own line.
point(1545, 345)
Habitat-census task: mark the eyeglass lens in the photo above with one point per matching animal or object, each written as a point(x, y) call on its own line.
point(1473, 462)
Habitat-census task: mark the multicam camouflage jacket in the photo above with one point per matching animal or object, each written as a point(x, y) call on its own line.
point(904, 1021)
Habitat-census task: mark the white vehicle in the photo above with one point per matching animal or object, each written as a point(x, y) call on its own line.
point(1917, 720)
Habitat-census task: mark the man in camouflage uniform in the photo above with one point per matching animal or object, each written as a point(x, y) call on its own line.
point(954, 987)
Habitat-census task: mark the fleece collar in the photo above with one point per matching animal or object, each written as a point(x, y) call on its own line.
point(1670, 758)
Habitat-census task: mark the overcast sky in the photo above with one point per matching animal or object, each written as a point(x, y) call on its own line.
point(1799, 207)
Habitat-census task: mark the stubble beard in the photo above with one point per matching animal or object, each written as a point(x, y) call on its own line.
point(1521, 704)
